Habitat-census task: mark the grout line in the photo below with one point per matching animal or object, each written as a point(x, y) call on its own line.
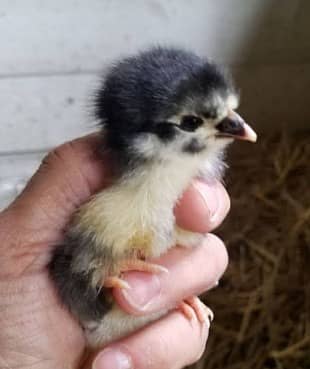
point(97, 71)
point(85, 72)
point(25, 152)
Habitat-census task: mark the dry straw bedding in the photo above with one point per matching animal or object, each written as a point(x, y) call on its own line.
point(262, 304)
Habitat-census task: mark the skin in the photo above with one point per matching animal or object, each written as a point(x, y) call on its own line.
point(37, 332)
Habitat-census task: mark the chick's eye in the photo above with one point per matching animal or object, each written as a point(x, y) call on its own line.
point(190, 123)
point(208, 115)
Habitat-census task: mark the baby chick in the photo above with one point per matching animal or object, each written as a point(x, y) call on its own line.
point(167, 116)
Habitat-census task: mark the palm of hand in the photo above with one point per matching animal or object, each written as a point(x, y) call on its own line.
point(36, 331)
point(46, 332)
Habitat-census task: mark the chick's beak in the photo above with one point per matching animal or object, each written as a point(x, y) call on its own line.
point(234, 126)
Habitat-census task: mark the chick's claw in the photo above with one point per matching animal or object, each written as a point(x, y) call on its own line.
point(141, 266)
point(203, 312)
point(115, 282)
point(187, 310)
point(132, 265)
point(193, 306)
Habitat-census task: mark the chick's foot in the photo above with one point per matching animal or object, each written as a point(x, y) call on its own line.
point(132, 265)
point(193, 306)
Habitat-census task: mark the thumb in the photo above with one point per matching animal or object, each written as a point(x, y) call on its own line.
point(65, 179)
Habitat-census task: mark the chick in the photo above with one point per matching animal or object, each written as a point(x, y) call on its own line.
point(167, 116)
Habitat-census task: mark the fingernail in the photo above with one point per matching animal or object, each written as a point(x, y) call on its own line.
point(209, 196)
point(112, 359)
point(144, 288)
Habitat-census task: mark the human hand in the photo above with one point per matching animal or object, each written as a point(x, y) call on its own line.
point(37, 332)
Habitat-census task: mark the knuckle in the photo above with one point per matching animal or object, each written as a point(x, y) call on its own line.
point(58, 154)
point(63, 156)
point(72, 153)
point(50, 160)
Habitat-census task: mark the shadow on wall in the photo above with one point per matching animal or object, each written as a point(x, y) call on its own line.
point(273, 70)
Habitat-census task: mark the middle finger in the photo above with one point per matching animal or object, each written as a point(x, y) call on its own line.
point(190, 272)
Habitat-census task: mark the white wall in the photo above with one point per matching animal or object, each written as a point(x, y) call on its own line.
point(52, 51)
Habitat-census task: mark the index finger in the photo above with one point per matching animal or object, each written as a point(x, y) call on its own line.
point(203, 206)
point(159, 345)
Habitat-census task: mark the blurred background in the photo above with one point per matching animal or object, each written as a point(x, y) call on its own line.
point(52, 53)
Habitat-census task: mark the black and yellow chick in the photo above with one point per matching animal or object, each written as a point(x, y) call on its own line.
point(167, 116)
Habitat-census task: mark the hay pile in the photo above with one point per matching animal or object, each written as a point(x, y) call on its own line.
point(262, 306)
